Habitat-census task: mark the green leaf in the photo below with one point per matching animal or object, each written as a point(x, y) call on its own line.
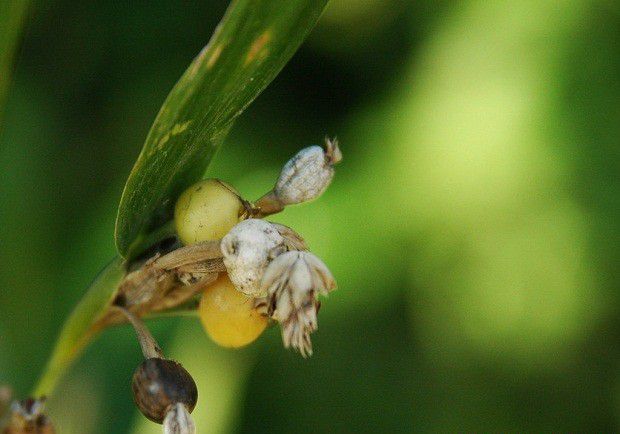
point(78, 329)
point(12, 13)
point(250, 46)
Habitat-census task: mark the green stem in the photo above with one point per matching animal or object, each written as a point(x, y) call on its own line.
point(189, 311)
point(78, 330)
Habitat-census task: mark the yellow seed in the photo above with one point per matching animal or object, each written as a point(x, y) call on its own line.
point(228, 316)
point(206, 211)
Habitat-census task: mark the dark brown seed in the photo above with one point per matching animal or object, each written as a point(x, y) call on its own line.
point(158, 384)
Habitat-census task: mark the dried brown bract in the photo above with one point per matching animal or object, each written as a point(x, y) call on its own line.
point(27, 417)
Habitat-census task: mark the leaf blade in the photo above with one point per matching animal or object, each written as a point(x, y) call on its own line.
point(12, 17)
point(78, 330)
point(254, 41)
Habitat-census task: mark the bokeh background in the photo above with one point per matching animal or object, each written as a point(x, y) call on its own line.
point(472, 226)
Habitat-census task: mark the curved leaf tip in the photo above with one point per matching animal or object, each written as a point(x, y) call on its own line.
point(253, 42)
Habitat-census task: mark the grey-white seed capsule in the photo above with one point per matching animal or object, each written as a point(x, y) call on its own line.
point(308, 174)
point(247, 250)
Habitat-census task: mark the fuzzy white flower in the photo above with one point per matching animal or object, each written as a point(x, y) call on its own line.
point(247, 250)
point(293, 281)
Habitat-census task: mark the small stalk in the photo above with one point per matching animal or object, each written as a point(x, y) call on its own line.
point(268, 205)
point(149, 346)
point(163, 390)
point(93, 313)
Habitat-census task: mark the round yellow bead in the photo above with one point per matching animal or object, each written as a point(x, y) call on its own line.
point(206, 211)
point(228, 316)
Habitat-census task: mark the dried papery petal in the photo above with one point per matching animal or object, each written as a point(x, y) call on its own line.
point(293, 282)
point(27, 417)
point(179, 421)
point(332, 151)
point(292, 239)
point(247, 250)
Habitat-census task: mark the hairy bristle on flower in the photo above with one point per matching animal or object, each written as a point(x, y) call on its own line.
point(332, 151)
point(179, 421)
point(293, 281)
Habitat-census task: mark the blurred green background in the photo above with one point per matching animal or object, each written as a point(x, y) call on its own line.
point(472, 227)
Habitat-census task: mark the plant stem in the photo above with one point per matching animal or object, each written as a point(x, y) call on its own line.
point(187, 311)
point(83, 324)
point(150, 348)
